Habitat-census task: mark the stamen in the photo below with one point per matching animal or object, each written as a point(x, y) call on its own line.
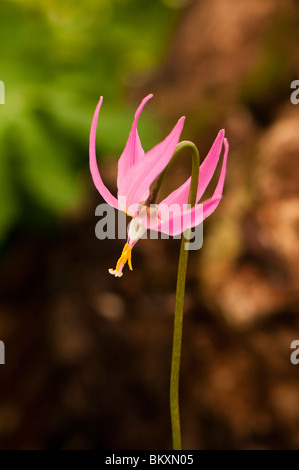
point(124, 258)
point(136, 230)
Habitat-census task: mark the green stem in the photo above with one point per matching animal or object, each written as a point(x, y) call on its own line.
point(180, 293)
point(178, 315)
point(194, 175)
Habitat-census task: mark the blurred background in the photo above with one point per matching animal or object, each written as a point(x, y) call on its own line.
point(87, 355)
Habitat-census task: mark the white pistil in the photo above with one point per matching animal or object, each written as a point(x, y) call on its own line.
point(136, 230)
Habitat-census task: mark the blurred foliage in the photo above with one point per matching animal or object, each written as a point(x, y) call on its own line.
point(57, 58)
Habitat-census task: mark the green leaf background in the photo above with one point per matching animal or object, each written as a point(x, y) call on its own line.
point(57, 58)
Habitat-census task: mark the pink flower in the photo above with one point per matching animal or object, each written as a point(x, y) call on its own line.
point(137, 170)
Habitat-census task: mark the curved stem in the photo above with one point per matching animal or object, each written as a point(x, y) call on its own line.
point(195, 170)
point(179, 310)
point(180, 292)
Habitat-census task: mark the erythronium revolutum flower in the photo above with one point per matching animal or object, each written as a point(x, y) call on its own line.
point(138, 182)
point(137, 171)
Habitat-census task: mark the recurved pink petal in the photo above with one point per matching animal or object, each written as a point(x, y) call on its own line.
point(98, 182)
point(206, 171)
point(208, 166)
point(133, 151)
point(192, 217)
point(140, 176)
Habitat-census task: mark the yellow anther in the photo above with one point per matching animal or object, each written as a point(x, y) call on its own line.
point(125, 257)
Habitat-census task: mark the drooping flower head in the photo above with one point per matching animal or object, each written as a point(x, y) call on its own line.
point(138, 170)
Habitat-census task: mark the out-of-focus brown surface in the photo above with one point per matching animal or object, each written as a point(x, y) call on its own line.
point(88, 355)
